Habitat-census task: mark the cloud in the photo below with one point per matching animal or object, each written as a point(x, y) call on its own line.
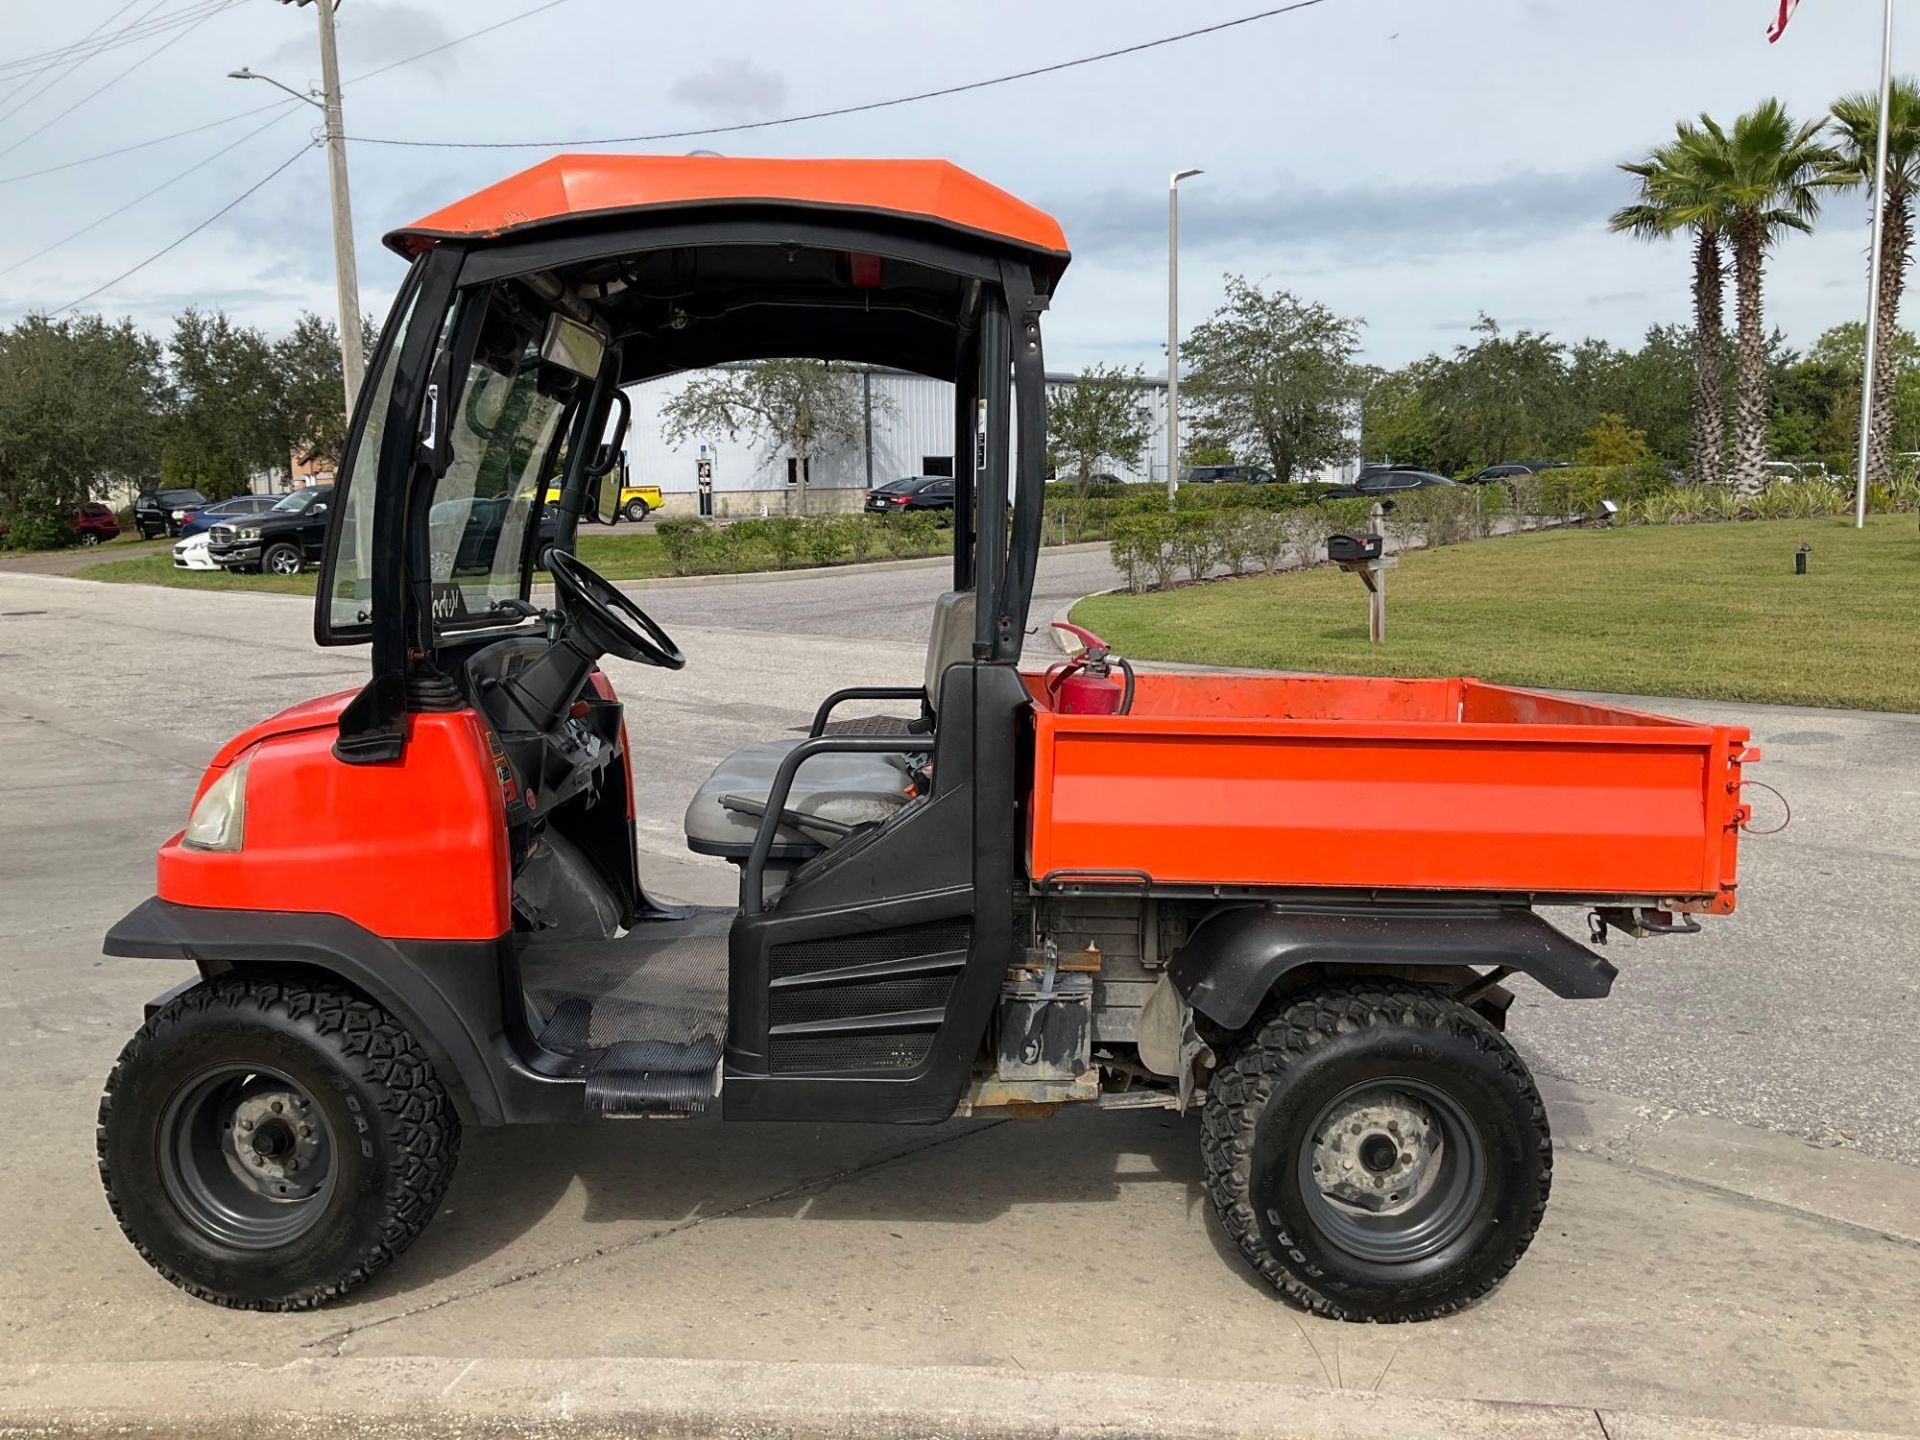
point(735, 89)
point(1385, 222)
point(370, 35)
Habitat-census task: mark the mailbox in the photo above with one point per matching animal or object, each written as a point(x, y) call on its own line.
point(1349, 549)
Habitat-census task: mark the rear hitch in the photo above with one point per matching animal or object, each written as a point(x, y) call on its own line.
point(1639, 922)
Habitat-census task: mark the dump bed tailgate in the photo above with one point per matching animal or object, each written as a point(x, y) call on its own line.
point(1418, 785)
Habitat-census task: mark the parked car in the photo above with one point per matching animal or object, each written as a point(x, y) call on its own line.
point(464, 534)
point(203, 519)
point(1513, 470)
point(278, 541)
point(915, 492)
point(1793, 470)
point(160, 512)
point(92, 524)
point(191, 554)
point(1382, 482)
point(1229, 475)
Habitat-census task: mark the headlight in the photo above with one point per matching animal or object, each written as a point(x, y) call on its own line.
point(220, 818)
point(247, 532)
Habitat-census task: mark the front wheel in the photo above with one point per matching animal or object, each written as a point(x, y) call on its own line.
point(1377, 1151)
point(269, 1145)
point(281, 559)
point(636, 510)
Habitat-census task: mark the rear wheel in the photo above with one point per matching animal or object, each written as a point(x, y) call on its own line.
point(269, 1145)
point(1377, 1151)
point(636, 510)
point(281, 559)
point(89, 537)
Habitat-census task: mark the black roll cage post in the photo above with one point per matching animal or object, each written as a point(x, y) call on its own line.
point(998, 336)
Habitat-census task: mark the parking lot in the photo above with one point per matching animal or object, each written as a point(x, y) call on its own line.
point(1734, 1236)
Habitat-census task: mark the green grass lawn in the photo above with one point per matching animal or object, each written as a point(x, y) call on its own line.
point(618, 557)
point(160, 570)
point(1713, 611)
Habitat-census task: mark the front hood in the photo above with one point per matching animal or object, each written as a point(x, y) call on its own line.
point(307, 715)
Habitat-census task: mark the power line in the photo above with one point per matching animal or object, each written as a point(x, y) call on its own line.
point(147, 144)
point(22, 80)
point(100, 89)
point(200, 164)
point(449, 44)
point(176, 244)
point(88, 45)
point(1052, 69)
point(262, 109)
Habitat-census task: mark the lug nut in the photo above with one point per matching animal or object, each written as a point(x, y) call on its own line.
point(1406, 1159)
point(277, 1107)
point(246, 1124)
point(260, 1160)
point(305, 1131)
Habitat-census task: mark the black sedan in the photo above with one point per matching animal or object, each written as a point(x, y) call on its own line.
point(1379, 482)
point(916, 492)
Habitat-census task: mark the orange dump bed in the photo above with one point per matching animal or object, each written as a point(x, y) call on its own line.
point(1310, 782)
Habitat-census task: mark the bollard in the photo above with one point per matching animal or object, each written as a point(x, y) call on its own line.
point(1800, 559)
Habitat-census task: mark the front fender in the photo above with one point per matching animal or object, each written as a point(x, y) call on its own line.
point(446, 993)
point(1233, 960)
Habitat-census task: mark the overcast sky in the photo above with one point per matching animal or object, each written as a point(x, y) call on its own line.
point(1410, 162)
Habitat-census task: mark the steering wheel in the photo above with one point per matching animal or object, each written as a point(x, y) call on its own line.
point(607, 619)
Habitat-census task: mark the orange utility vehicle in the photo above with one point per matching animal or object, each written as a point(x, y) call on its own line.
point(1290, 904)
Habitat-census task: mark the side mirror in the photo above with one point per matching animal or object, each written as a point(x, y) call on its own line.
point(606, 496)
point(320, 509)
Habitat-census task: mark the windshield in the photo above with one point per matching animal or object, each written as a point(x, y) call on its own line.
point(296, 502)
point(504, 431)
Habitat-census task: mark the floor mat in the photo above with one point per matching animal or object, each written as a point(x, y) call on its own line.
point(665, 981)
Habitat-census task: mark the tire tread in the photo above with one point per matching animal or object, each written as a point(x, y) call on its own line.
point(1241, 1088)
point(425, 1126)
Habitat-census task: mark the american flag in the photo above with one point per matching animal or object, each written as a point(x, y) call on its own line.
point(1779, 25)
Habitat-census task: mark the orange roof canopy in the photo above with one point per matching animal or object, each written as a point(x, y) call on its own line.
point(573, 186)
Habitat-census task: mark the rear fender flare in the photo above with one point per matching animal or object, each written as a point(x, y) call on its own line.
point(1235, 958)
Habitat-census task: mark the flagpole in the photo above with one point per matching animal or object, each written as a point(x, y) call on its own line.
point(1873, 270)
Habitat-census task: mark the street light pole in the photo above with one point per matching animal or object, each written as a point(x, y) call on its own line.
point(346, 275)
point(1173, 332)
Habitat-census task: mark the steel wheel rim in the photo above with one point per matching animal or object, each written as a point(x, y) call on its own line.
point(1446, 1184)
point(225, 1150)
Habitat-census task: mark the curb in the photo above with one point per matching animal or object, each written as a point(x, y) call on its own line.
point(424, 1398)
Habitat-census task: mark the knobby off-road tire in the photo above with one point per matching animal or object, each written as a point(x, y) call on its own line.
point(1357, 1082)
point(269, 1145)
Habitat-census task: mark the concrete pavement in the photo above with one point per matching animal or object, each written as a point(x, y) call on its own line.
point(1004, 1278)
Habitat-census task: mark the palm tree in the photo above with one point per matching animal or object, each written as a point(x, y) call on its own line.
point(1768, 172)
point(1674, 196)
point(1856, 125)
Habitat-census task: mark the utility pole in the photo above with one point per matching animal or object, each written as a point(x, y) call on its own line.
point(1173, 332)
point(346, 275)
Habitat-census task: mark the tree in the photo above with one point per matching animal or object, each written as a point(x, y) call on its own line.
point(1612, 441)
point(1856, 126)
point(1274, 375)
point(228, 423)
point(79, 404)
point(1502, 397)
point(1767, 173)
point(312, 398)
point(1099, 419)
point(803, 407)
point(1677, 194)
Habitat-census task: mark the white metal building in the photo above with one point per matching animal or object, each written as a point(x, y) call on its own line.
point(911, 422)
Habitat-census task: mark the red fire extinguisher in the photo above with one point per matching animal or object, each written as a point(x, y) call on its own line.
point(1085, 685)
